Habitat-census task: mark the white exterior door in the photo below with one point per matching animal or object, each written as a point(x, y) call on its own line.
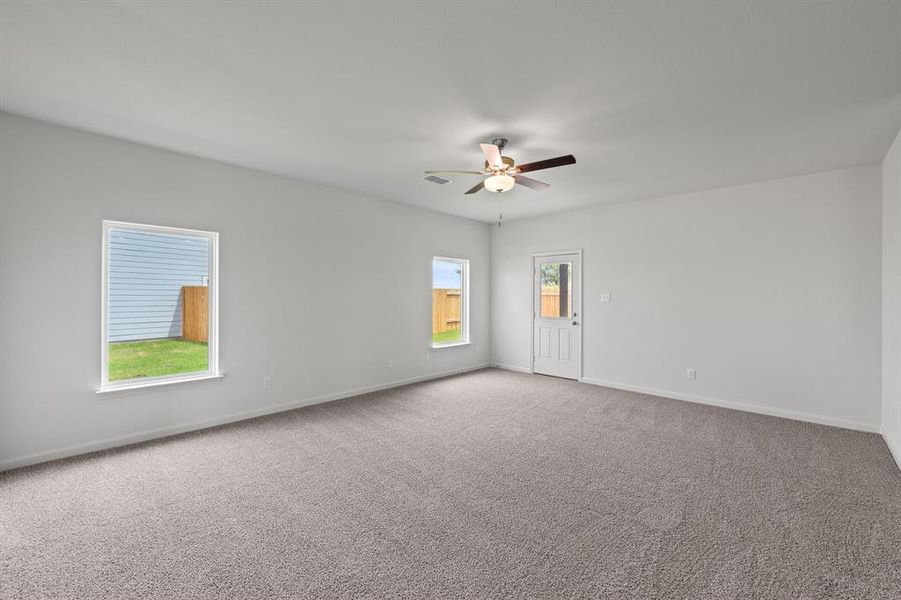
point(557, 312)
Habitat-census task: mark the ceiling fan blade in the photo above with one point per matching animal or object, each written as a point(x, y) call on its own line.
point(492, 154)
point(531, 183)
point(475, 188)
point(454, 172)
point(560, 161)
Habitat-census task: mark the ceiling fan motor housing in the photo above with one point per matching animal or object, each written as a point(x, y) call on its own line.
point(509, 163)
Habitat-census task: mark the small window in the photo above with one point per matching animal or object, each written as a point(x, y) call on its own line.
point(450, 301)
point(556, 290)
point(159, 305)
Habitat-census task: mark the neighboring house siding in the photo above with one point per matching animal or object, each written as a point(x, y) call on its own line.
point(146, 274)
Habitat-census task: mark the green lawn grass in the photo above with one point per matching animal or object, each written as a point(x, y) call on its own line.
point(446, 337)
point(153, 358)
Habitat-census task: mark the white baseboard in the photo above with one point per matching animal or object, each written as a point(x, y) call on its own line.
point(513, 368)
point(894, 451)
point(752, 408)
point(143, 436)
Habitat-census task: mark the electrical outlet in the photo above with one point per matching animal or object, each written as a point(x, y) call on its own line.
point(267, 383)
point(428, 356)
point(690, 374)
point(605, 297)
point(390, 363)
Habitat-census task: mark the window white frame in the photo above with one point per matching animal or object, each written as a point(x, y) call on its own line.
point(212, 371)
point(464, 301)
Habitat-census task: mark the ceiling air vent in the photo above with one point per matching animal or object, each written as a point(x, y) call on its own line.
point(438, 180)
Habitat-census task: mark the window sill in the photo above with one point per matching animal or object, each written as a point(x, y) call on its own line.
point(152, 383)
point(454, 345)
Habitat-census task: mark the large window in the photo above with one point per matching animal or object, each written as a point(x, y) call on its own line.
point(450, 301)
point(160, 320)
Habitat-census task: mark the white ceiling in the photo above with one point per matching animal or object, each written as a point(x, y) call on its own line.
point(652, 98)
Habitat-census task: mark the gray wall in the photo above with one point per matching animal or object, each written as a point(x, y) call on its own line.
point(771, 291)
point(146, 273)
point(278, 237)
point(891, 299)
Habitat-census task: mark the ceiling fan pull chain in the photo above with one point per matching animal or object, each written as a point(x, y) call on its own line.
point(500, 214)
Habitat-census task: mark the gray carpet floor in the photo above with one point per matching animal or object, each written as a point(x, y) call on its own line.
point(486, 485)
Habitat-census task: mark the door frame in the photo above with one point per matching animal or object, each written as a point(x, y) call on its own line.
point(534, 256)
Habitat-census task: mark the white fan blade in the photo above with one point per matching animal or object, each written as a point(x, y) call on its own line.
point(492, 154)
point(477, 187)
point(531, 183)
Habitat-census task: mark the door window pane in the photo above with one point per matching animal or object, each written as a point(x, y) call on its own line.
point(556, 290)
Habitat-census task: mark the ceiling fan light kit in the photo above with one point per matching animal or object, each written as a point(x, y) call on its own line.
point(499, 183)
point(501, 173)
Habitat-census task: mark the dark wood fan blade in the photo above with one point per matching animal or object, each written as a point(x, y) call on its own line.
point(492, 154)
point(475, 188)
point(560, 161)
point(531, 183)
point(454, 173)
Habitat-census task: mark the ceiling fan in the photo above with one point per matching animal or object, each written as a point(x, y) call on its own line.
point(502, 173)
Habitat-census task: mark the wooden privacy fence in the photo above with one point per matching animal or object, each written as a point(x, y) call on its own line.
point(195, 318)
point(550, 302)
point(445, 310)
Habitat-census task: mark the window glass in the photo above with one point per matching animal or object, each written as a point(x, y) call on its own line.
point(449, 297)
point(556, 290)
point(157, 286)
